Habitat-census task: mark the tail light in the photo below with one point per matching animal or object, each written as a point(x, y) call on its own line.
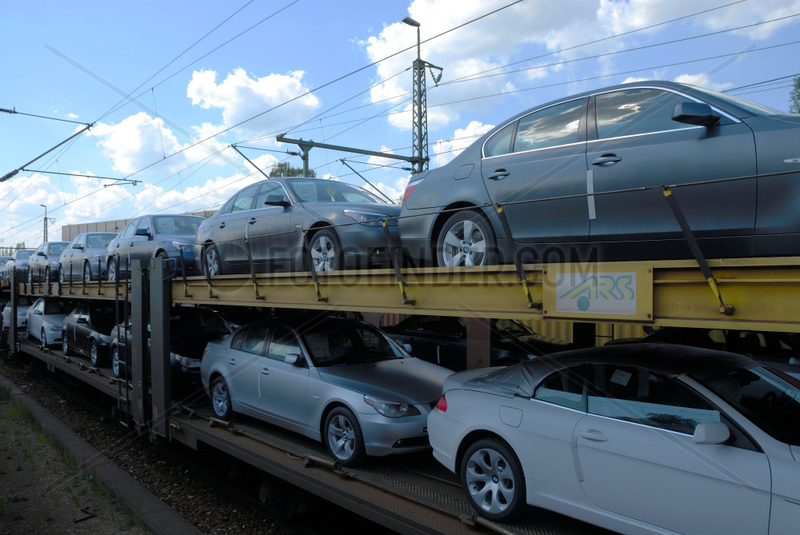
point(409, 189)
point(442, 405)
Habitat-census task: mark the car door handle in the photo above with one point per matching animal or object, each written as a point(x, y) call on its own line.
point(607, 160)
point(264, 371)
point(499, 174)
point(222, 225)
point(232, 362)
point(594, 435)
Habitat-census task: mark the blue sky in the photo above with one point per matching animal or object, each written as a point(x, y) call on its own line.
point(77, 60)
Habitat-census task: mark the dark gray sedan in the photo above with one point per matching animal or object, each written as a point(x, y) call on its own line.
point(151, 236)
point(268, 217)
point(43, 264)
point(580, 178)
point(84, 258)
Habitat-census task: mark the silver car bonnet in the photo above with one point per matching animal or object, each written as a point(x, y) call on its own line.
point(54, 319)
point(408, 380)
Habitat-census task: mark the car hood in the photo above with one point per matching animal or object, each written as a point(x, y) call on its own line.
point(408, 380)
point(54, 319)
point(22, 311)
point(180, 238)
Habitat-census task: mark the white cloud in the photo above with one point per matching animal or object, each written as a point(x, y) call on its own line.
point(72, 116)
point(136, 142)
point(447, 150)
point(702, 80)
point(241, 97)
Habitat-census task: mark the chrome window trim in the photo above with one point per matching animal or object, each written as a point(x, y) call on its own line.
point(537, 110)
point(535, 150)
point(646, 134)
point(668, 90)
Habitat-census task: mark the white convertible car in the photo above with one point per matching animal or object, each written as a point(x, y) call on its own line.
point(646, 438)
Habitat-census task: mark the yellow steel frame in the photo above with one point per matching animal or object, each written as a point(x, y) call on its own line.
point(764, 292)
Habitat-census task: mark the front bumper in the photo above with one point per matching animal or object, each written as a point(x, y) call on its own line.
point(387, 436)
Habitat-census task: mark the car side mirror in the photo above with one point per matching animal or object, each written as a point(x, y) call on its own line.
point(293, 359)
point(794, 361)
point(408, 348)
point(711, 433)
point(697, 113)
point(142, 232)
point(78, 246)
point(40, 253)
point(37, 312)
point(277, 200)
point(83, 320)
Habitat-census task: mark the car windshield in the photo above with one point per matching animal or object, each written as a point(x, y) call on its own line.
point(58, 307)
point(197, 320)
point(750, 107)
point(98, 241)
point(23, 255)
point(768, 398)
point(513, 327)
point(340, 342)
point(330, 191)
point(57, 248)
point(177, 224)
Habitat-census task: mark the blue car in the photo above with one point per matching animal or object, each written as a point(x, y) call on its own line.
point(151, 236)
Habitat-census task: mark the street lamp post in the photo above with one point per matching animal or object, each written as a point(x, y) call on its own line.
point(419, 140)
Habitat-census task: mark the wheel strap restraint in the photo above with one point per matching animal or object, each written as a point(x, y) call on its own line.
point(398, 274)
point(311, 267)
point(517, 259)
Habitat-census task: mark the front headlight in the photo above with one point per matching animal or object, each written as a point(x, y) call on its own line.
point(391, 409)
point(186, 362)
point(369, 219)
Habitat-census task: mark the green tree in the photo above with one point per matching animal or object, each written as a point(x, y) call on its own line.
point(286, 169)
point(794, 97)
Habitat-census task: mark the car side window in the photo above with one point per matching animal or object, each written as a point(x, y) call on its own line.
point(637, 111)
point(268, 189)
point(550, 127)
point(128, 231)
point(500, 142)
point(244, 200)
point(254, 339)
point(565, 388)
point(640, 396)
point(284, 342)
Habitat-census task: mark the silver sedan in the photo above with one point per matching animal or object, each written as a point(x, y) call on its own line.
point(46, 319)
point(646, 438)
point(338, 381)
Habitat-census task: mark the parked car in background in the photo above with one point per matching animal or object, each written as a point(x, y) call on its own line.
point(19, 262)
point(443, 340)
point(46, 318)
point(342, 382)
point(151, 236)
point(643, 438)
point(270, 214)
point(85, 257)
point(87, 331)
point(775, 349)
point(23, 302)
point(632, 137)
point(3, 261)
point(43, 263)
point(190, 330)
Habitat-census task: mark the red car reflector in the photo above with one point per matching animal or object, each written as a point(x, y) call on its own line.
point(409, 189)
point(442, 404)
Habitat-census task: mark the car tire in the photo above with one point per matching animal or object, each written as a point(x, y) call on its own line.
point(116, 364)
point(221, 399)
point(94, 353)
point(466, 239)
point(326, 250)
point(43, 338)
point(87, 272)
point(112, 269)
point(490, 462)
point(65, 345)
point(343, 437)
point(212, 263)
